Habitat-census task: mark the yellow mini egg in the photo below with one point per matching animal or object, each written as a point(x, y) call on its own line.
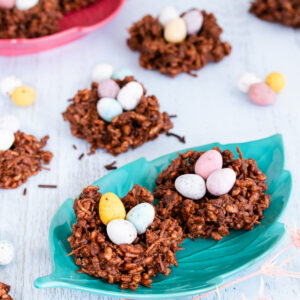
point(110, 208)
point(175, 31)
point(24, 95)
point(276, 81)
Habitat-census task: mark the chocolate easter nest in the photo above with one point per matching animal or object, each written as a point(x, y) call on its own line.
point(130, 129)
point(127, 264)
point(146, 36)
point(4, 292)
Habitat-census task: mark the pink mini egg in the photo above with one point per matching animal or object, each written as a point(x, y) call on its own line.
point(208, 162)
point(7, 4)
point(108, 88)
point(261, 94)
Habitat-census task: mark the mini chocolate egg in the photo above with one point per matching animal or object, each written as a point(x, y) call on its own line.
point(261, 94)
point(130, 95)
point(108, 108)
point(191, 186)
point(8, 84)
point(141, 216)
point(175, 31)
point(7, 139)
point(167, 14)
point(7, 253)
point(102, 71)
point(208, 162)
point(10, 123)
point(121, 73)
point(276, 81)
point(193, 20)
point(7, 4)
point(246, 79)
point(220, 182)
point(121, 231)
point(110, 208)
point(24, 95)
point(108, 88)
point(26, 4)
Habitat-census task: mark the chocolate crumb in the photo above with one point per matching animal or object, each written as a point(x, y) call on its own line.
point(180, 138)
point(81, 156)
point(25, 192)
point(111, 166)
point(74, 147)
point(50, 186)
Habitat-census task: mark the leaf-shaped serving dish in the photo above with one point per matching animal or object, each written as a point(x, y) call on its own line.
point(204, 264)
point(73, 26)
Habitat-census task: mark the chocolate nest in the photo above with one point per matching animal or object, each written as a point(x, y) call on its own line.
point(4, 292)
point(241, 208)
point(131, 129)
point(22, 160)
point(146, 36)
point(286, 12)
point(127, 264)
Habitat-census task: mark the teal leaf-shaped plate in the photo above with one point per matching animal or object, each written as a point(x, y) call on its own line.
point(204, 264)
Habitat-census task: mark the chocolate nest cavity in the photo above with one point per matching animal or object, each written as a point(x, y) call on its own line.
point(4, 292)
point(22, 160)
point(286, 12)
point(213, 216)
point(128, 264)
point(146, 36)
point(130, 129)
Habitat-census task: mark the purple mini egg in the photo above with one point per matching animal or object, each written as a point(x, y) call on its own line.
point(108, 88)
point(193, 20)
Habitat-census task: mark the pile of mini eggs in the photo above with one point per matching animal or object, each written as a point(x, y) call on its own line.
point(21, 95)
point(259, 92)
point(177, 28)
point(122, 228)
point(209, 175)
point(19, 4)
point(114, 100)
point(8, 126)
point(7, 253)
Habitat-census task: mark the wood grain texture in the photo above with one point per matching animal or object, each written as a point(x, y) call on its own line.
point(209, 109)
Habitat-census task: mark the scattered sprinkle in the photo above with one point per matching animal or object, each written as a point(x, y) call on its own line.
point(74, 147)
point(81, 156)
point(50, 186)
point(24, 192)
point(172, 116)
point(180, 138)
point(111, 166)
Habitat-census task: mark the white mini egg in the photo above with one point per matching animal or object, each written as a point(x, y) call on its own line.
point(7, 139)
point(191, 186)
point(130, 95)
point(26, 4)
point(8, 84)
point(108, 108)
point(246, 79)
point(167, 14)
point(9, 122)
point(220, 182)
point(102, 71)
point(141, 216)
point(121, 231)
point(7, 253)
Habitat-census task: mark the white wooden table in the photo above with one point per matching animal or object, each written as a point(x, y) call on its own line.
point(209, 109)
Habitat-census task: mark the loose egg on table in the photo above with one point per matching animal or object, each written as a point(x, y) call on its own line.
point(7, 253)
point(102, 71)
point(7, 4)
point(220, 182)
point(108, 88)
point(141, 216)
point(246, 79)
point(167, 14)
point(10, 123)
point(108, 108)
point(193, 20)
point(121, 73)
point(175, 31)
point(276, 81)
point(191, 186)
point(8, 85)
point(110, 208)
point(7, 139)
point(26, 4)
point(24, 95)
point(121, 231)
point(130, 95)
point(208, 162)
point(261, 94)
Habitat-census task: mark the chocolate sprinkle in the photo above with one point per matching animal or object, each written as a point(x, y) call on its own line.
point(25, 192)
point(81, 156)
point(74, 147)
point(50, 186)
point(111, 166)
point(180, 138)
point(172, 116)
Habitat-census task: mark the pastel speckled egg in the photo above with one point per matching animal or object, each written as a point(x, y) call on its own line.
point(108, 88)
point(7, 253)
point(208, 162)
point(24, 95)
point(167, 14)
point(108, 108)
point(130, 95)
point(261, 94)
point(175, 31)
point(110, 208)
point(121, 73)
point(8, 84)
point(141, 216)
point(193, 20)
point(10, 123)
point(246, 79)
point(26, 4)
point(121, 231)
point(7, 4)
point(276, 81)
point(220, 182)
point(102, 71)
point(7, 139)
point(191, 186)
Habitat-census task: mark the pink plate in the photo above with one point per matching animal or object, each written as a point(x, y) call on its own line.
point(73, 26)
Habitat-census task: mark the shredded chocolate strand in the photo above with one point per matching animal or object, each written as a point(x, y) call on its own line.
point(180, 138)
point(111, 166)
point(50, 186)
point(25, 192)
point(81, 156)
point(74, 147)
point(172, 116)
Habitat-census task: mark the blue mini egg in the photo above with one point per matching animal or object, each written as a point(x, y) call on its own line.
point(121, 73)
point(108, 108)
point(141, 216)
